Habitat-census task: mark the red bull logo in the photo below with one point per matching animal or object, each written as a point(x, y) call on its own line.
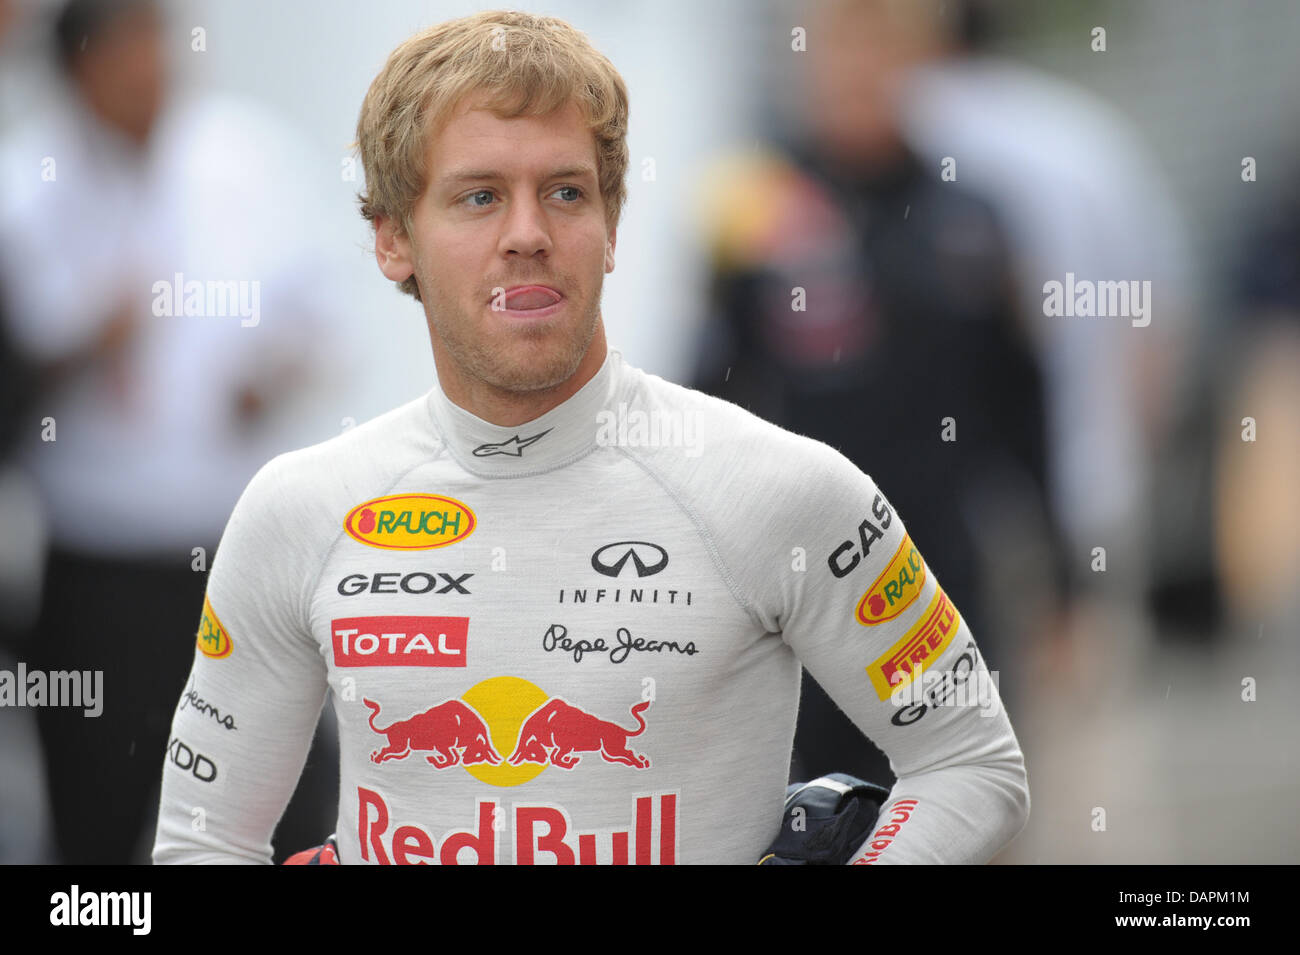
point(882, 838)
point(506, 714)
point(541, 834)
point(450, 732)
point(559, 730)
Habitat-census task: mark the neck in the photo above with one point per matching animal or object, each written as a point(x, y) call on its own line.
point(510, 408)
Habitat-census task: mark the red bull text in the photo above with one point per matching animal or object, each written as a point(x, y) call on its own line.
point(541, 834)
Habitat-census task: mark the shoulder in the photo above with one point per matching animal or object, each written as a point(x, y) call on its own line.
point(363, 461)
point(724, 449)
point(766, 500)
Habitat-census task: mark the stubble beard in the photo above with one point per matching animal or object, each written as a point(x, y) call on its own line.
point(540, 365)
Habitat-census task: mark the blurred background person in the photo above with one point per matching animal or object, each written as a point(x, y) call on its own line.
point(1080, 195)
point(151, 403)
point(1257, 513)
point(24, 815)
point(859, 299)
point(24, 811)
point(1129, 712)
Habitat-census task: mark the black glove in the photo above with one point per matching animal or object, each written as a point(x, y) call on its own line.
point(825, 821)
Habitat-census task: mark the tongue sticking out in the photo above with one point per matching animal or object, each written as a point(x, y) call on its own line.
point(531, 298)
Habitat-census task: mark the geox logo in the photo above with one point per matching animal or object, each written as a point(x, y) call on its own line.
point(513, 447)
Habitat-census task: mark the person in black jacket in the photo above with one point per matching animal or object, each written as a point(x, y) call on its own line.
point(858, 298)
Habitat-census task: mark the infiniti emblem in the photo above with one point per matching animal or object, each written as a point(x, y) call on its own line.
point(647, 558)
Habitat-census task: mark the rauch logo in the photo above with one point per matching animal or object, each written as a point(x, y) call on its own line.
point(410, 522)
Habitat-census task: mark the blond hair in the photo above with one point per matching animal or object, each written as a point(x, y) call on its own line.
point(520, 64)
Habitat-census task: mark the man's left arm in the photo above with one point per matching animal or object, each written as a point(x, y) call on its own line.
point(868, 618)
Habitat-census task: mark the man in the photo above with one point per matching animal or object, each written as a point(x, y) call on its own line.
point(560, 604)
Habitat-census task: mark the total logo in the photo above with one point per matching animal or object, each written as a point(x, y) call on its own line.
point(509, 715)
point(400, 641)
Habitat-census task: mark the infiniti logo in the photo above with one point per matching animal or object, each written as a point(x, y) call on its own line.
point(647, 558)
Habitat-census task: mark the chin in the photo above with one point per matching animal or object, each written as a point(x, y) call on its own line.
point(543, 361)
point(532, 372)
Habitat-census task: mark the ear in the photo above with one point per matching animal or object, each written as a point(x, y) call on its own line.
point(393, 250)
point(609, 250)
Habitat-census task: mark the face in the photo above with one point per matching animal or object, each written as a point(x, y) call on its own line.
point(123, 73)
point(509, 246)
point(856, 79)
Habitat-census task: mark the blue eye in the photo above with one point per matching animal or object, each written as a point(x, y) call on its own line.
point(573, 189)
point(481, 192)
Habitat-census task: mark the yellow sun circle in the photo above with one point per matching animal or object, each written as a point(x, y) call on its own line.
point(504, 702)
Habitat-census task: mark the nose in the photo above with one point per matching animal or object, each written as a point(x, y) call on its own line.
point(526, 231)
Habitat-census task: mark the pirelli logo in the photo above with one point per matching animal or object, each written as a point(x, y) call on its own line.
point(927, 638)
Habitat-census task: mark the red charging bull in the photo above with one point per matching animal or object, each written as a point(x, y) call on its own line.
point(452, 732)
point(558, 730)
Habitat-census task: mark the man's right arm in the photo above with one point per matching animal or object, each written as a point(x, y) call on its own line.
point(246, 716)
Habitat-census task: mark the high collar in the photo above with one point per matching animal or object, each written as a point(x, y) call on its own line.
point(565, 433)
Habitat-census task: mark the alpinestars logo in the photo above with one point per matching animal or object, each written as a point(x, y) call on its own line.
point(513, 447)
point(648, 559)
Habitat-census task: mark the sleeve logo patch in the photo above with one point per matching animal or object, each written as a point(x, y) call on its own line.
point(927, 639)
point(213, 639)
point(896, 588)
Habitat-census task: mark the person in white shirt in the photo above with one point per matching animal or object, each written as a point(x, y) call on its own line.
point(165, 322)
